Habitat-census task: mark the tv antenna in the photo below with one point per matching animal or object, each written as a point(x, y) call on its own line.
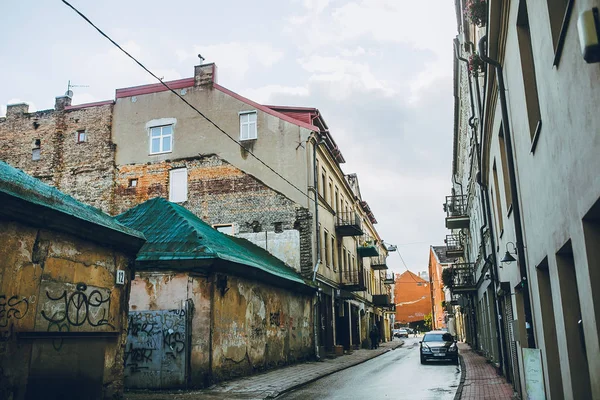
point(69, 92)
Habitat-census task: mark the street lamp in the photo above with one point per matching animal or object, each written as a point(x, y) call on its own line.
point(508, 258)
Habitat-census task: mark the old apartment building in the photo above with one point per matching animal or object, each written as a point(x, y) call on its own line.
point(523, 209)
point(148, 143)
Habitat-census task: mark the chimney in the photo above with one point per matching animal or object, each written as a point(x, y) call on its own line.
point(205, 74)
point(14, 110)
point(61, 102)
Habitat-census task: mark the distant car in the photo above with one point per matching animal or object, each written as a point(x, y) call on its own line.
point(400, 333)
point(439, 346)
point(410, 331)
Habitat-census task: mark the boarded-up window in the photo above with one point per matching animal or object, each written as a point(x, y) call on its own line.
point(178, 185)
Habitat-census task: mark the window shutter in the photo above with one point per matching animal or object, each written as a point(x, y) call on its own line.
point(178, 185)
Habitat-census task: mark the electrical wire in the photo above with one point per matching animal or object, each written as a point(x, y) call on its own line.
point(184, 100)
point(405, 266)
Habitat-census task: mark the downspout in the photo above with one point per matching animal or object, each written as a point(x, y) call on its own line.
point(499, 329)
point(318, 250)
point(513, 185)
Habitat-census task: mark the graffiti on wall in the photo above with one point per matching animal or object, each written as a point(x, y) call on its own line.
point(12, 308)
point(156, 348)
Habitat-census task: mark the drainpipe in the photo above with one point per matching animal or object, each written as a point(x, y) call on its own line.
point(513, 184)
point(499, 329)
point(316, 267)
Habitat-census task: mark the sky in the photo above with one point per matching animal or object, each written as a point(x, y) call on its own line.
point(379, 71)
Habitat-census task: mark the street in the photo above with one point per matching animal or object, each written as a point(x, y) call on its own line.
point(397, 374)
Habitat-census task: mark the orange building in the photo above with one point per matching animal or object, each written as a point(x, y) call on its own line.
point(412, 297)
point(438, 261)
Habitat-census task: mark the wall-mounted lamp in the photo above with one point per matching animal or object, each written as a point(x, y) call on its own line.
point(508, 258)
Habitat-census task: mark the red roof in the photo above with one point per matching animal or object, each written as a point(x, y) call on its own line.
point(189, 82)
point(86, 105)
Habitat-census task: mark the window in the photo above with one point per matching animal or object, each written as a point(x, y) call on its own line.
point(498, 205)
point(161, 139)
point(133, 183)
point(323, 174)
point(81, 136)
point(528, 71)
point(326, 249)
point(333, 253)
point(505, 178)
point(330, 192)
point(248, 125)
point(559, 12)
point(336, 204)
point(225, 228)
point(178, 185)
point(36, 151)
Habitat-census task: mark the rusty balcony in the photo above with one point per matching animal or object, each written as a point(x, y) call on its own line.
point(367, 247)
point(463, 278)
point(379, 263)
point(382, 300)
point(348, 224)
point(456, 212)
point(353, 280)
point(454, 246)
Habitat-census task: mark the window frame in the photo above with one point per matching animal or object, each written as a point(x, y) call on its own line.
point(161, 137)
point(79, 134)
point(248, 123)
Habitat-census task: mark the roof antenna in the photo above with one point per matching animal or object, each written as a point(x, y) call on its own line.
point(201, 59)
point(69, 92)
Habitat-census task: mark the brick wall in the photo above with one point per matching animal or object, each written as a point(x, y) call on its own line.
point(218, 193)
point(83, 170)
point(408, 296)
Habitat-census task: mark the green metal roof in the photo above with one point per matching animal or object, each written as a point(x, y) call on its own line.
point(174, 233)
point(16, 183)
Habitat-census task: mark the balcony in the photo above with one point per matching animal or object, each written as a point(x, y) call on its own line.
point(353, 280)
point(348, 224)
point(463, 278)
point(454, 246)
point(456, 212)
point(379, 263)
point(367, 247)
point(382, 300)
point(389, 279)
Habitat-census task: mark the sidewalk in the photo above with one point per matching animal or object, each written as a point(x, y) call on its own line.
point(270, 384)
point(481, 381)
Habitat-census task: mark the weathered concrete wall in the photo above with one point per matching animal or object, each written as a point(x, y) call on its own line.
point(220, 193)
point(254, 326)
point(52, 283)
point(84, 170)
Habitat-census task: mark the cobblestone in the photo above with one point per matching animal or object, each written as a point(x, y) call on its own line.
point(482, 382)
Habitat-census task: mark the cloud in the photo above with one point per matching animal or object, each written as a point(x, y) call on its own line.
point(235, 59)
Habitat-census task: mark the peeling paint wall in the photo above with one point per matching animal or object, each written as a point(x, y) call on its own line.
point(255, 326)
point(55, 283)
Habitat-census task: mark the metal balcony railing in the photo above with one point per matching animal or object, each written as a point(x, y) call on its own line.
point(353, 280)
point(389, 279)
point(382, 300)
point(456, 212)
point(454, 246)
point(348, 224)
point(463, 277)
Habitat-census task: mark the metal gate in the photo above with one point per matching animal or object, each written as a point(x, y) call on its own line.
point(508, 318)
point(157, 351)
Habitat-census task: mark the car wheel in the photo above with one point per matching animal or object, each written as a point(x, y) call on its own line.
point(456, 361)
point(422, 360)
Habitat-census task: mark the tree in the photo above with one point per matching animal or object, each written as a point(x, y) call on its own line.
point(427, 321)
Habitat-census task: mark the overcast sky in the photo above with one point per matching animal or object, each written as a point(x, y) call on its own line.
point(380, 72)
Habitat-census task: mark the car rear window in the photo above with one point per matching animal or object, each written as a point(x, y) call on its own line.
point(438, 337)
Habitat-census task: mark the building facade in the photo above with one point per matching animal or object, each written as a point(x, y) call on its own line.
point(524, 179)
point(65, 275)
point(412, 297)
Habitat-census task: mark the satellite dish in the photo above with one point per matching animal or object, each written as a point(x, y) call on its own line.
point(69, 93)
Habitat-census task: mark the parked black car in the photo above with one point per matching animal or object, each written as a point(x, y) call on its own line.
point(439, 346)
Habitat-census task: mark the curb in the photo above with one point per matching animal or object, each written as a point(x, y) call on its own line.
point(463, 376)
point(289, 389)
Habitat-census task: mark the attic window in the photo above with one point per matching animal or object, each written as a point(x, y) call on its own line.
point(133, 183)
point(81, 136)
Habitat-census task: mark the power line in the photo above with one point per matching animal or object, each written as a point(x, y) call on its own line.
point(184, 100)
point(409, 271)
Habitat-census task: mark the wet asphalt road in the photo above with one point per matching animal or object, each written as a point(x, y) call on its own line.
point(397, 374)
